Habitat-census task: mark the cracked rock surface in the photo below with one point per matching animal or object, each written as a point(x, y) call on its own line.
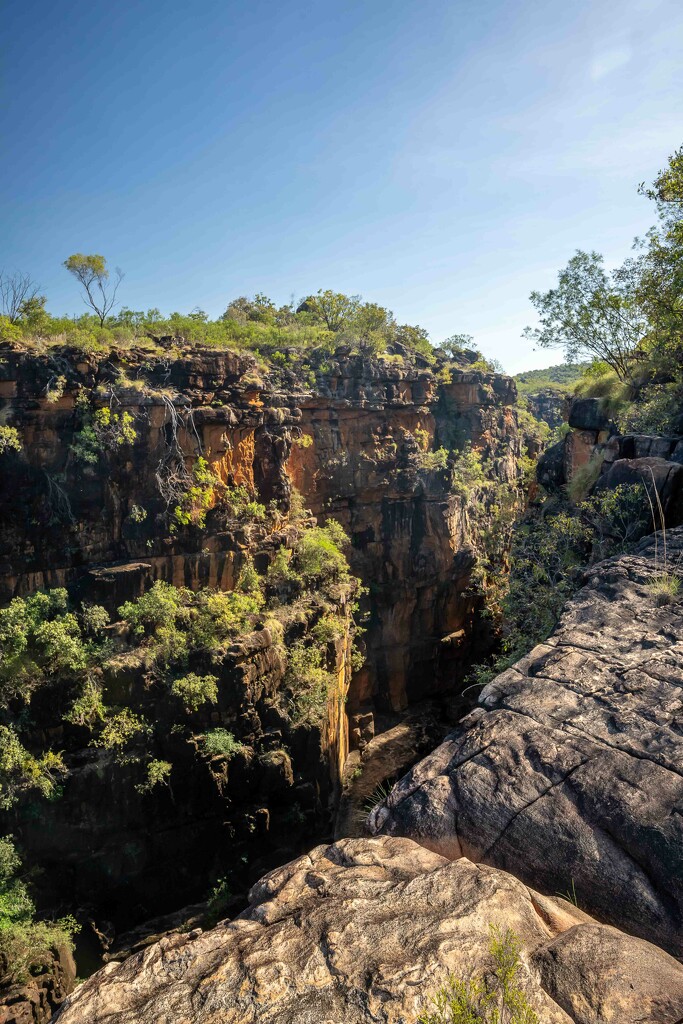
point(570, 772)
point(366, 930)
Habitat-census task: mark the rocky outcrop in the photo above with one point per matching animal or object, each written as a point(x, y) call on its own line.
point(569, 773)
point(367, 930)
point(36, 1001)
point(549, 406)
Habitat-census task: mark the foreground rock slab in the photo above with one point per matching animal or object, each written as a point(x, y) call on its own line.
point(570, 773)
point(365, 930)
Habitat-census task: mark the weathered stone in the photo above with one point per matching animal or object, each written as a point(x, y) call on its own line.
point(550, 469)
point(367, 930)
point(588, 414)
point(654, 473)
point(570, 772)
point(37, 999)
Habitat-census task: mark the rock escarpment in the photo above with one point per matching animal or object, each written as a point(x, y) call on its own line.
point(570, 772)
point(88, 504)
point(366, 930)
point(347, 440)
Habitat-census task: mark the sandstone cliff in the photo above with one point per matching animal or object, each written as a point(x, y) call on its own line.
point(568, 774)
point(347, 441)
point(351, 441)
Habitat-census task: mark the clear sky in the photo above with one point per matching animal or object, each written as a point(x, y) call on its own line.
point(440, 157)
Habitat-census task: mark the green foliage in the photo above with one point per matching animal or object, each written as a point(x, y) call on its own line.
point(492, 997)
point(9, 440)
point(137, 513)
point(173, 621)
point(218, 902)
point(665, 586)
point(194, 690)
point(591, 313)
point(39, 640)
point(92, 274)
point(295, 341)
point(55, 390)
point(553, 378)
point(432, 461)
point(121, 729)
point(551, 546)
point(585, 477)
point(94, 619)
point(157, 773)
point(206, 490)
point(198, 498)
point(309, 681)
point(88, 708)
point(316, 564)
point(102, 430)
point(25, 944)
point(490, 509)
point(630, 320)
point(220, 742)
point(21, 771)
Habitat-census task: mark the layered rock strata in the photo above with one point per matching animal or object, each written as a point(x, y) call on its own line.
point(366, 930)
point(569, 774)
point(347, 441)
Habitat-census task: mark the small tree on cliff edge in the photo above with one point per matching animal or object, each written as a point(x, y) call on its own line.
point(92, 273)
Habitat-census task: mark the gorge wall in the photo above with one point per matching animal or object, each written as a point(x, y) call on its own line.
point(351, 443)
point(357, 463)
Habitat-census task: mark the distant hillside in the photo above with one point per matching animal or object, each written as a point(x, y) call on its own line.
point(559, 378)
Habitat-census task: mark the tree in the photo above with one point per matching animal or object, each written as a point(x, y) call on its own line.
point(592, 313)
point(17, 290)
point(333, 308)
point(457, 343)
point(91, 272)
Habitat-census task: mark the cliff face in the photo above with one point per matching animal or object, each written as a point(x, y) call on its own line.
point(349, 445)
point(86, 505)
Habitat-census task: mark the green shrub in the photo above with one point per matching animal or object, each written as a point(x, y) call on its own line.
point(430, 462)
point(120, 730)
point(21, 771)
point(309, 682)
point(157, 773)
point(198, 497)
point(585, 477)
point(218, 903)
point(88, 708)
point(39, 640)
point(25, 944)
point(491, 997)
point(665, 586)
point(9, 440)
point(194, 690)
point(221, 742)
point(102, 430)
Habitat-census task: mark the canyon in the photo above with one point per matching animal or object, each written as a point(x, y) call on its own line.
point(551, 808)
point(351, 446)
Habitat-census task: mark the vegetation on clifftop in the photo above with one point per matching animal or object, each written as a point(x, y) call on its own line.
point(627, 321)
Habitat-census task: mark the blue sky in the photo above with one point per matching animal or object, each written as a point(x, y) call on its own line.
point(441, 158)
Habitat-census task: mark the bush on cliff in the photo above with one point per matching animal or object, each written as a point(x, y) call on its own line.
point(26, 945)
point(552, 543)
